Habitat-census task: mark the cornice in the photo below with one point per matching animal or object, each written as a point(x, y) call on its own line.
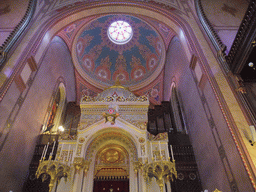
point(213, 36)
point(18, 31)
point(242, 44)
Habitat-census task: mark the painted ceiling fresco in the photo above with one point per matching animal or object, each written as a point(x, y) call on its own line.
point(101, 60)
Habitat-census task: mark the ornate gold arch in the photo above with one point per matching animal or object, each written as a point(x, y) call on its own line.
point(111, 136)
point(112, 162)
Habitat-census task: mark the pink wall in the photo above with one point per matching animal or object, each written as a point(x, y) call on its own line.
point(225, 17)
point(18, 148)
point(11, 13)
point(219, 163)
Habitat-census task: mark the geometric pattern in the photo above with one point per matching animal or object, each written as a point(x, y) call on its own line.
point(104, 61)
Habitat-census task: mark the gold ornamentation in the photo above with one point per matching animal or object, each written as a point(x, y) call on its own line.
point(67, 136)
point(131, 98)
point(111, 162)
point(115, 136)
point(110, 117)
point(89, 117)
point(112, 173)
point(216, 190)
point(137, 166)
point(79, 149)
point(142, 150)
point(54, 169)
point(112, 155)
point(156, 154)
point(81, 164)
point(158, 137)
point(254, 43)
point(81, 139)
point(65, 155)
point(138, 120)
point(141, 140)
point(163, 171)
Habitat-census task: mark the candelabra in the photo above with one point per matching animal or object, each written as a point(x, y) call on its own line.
point(55, 169)
point(161, 170)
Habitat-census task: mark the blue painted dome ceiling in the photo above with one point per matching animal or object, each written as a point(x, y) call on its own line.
point(101, 61)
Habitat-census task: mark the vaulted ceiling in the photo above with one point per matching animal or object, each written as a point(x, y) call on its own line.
point(99, 61)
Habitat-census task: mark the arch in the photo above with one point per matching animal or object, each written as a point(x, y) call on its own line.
point(111, 136)
point(176, 110)
point(112, 160)
point(104, 84)
point(175, 61)
point(53, 26)
point(57, 107)
point(57, 119)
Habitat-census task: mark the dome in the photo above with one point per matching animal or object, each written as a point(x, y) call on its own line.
point(118, 46)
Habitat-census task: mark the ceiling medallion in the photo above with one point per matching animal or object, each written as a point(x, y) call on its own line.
point(120, 32)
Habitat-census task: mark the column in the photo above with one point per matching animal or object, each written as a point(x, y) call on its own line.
point(169, 189)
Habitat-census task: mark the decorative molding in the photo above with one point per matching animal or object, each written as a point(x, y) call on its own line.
point(32, 63)
point(20, 83)
point(212, 125)
point(213, 36)
point(244, 39)
point(16, 33)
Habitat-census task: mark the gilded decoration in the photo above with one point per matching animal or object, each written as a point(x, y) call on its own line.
point(110, 115)
point(112, 162)
point(81, 139)
point(67, 136)
point(137, 120)
point(162, 171)
point(137, 166)
point(111, 135)
point(143, 150)
point(158, 137)
point(89, 119)
point(110, 173)
point(65, 155)
point(79, 149)
point(115, 93)
point(157, 156)
point(131, 98)
point(115, 102)
point(112, 156)
point(141, 140)
point(55, 169)
point(81, 164)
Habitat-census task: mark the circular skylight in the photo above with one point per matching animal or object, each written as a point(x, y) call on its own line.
point(120, 32)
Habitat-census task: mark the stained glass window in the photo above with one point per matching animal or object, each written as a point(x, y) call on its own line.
point(120, 32)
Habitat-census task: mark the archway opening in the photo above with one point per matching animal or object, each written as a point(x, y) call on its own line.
point(111, 169)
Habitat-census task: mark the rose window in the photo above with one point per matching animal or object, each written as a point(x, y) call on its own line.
point(120, 32)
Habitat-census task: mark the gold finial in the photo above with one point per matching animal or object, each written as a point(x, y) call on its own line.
point(216, 190)
point(254, 43)
point(117, 83)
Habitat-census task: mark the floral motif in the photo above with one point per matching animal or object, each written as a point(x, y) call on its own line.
point(103, 60)
point(138, 71)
